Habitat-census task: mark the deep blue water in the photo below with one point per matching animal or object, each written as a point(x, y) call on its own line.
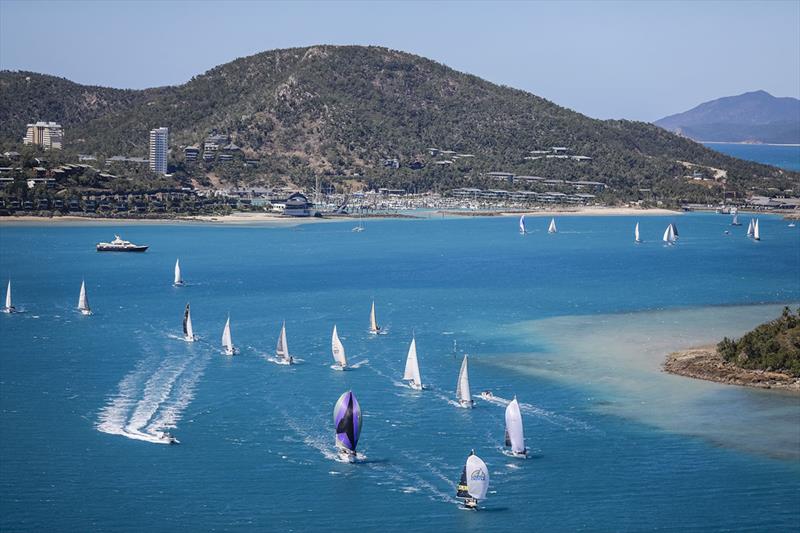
point(256, 438)
point(787, 157)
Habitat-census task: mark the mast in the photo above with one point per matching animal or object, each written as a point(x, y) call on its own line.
point(338, 349)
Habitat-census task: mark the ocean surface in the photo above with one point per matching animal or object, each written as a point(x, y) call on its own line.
point(574, 324)
point(784, 156)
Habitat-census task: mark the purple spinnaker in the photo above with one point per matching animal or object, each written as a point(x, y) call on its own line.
point(347, 420)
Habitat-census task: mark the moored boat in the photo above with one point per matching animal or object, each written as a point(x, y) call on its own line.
point(120, 245)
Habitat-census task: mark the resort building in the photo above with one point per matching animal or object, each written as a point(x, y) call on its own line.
point(159, 146)
point(297, 205)
point(48, 135)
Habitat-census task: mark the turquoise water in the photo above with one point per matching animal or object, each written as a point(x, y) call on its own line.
point(787, 157)
point(574, 324)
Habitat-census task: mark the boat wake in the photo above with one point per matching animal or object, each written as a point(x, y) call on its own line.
point(148, 402)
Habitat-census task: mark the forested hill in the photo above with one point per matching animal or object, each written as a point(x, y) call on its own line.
point(342, 110)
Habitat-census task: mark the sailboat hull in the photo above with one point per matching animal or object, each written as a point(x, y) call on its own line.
point(466, 404)
point(9, 310)
point(414, 385)
point(86, 312)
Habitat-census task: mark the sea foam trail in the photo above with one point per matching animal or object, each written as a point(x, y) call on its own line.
point(170, 412)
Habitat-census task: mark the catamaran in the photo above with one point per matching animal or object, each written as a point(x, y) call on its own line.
point(347, 420)
point(188, 333)
point(339, 357)
point(462, 389)
point(9, 307)
point(636, 234)
point(756, 233)
point(750, 228)
point(83, 301)
point(411, 373)
point(515, 437)
point(374, 328)
point(669, 235)
point(552, 228)
point(178, 279)
point(227, 341)
point(474, 481)
point(522, 229)
point(282, 349)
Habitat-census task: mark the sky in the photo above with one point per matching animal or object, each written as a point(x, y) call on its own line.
point(635, 60)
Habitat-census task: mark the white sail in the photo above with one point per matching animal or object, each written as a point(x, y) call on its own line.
point(373, 322)
point(515, 436)
point(227, 341)
point(462, 390)
point(636, 233)
point(750, 228)
point(411, 371)
point(8, 307)
point(735, 221)
point(178, 278)
point(477, 477)
point(188, 332)
point(83, 301)
point(282, 349)
point(669, 235)
point(522, 224)
point(756, 233)
point(552, 228)
point(338, 349)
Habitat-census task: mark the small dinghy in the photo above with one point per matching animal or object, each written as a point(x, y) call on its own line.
point(474, 482)
point(347, 421)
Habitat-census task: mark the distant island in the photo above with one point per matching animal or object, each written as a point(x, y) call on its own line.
point(766, 357)
point(755, 117)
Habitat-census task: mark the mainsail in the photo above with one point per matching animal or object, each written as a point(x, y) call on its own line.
point(750, 228)
point(347, 420)
point(83, 301)
point(178, 278)
point(756, 233)
point(552, 228)
point(338, 349)
point(282, 349)
point(411, 372)
point(462, 389)
point(735, 221)
point(522, 225)
point(515, 437)
point(188, 334)
point(669, 235)
point(373, 322)
point(8, 307)
point(636, 233)
point(227, 341)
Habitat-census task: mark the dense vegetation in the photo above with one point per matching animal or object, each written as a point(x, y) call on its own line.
point(772, 346)
point(338, 111)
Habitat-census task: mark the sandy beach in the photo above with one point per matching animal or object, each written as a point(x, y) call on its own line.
point(243, 219)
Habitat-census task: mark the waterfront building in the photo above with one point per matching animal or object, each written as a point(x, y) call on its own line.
point(47, 135)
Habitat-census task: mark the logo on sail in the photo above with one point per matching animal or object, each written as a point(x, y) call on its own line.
point(478, 475)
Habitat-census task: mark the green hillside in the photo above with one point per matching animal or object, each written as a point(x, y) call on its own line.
point(338, 111)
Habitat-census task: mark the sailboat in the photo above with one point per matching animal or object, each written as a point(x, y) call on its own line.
point(735, 221)
point(347, 420)
point(522, 229)
point(750, 228)
point(674, 231)
point(9, 307)
point(636, 234)
point(462, 389)
point(374, 328)
point(360, 226)
point(411, 373)
point(669, 235)
point(227, 342)
point(83, 301)
point(552, 228)
point(282, 349)
point(756, 233)
point(178, 279)
point(339, 357)
point(515, 436)
point(474, 481)
point(188, 333)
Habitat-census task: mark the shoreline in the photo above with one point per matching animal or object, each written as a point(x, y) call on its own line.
point(747, 143)
point(274, 219)
point(703, 362)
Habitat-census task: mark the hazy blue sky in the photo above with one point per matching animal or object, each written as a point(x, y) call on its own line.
point(638, 60)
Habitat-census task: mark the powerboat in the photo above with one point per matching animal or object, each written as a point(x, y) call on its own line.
point(487, 395)
point(168, 438)
point(120, 245)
